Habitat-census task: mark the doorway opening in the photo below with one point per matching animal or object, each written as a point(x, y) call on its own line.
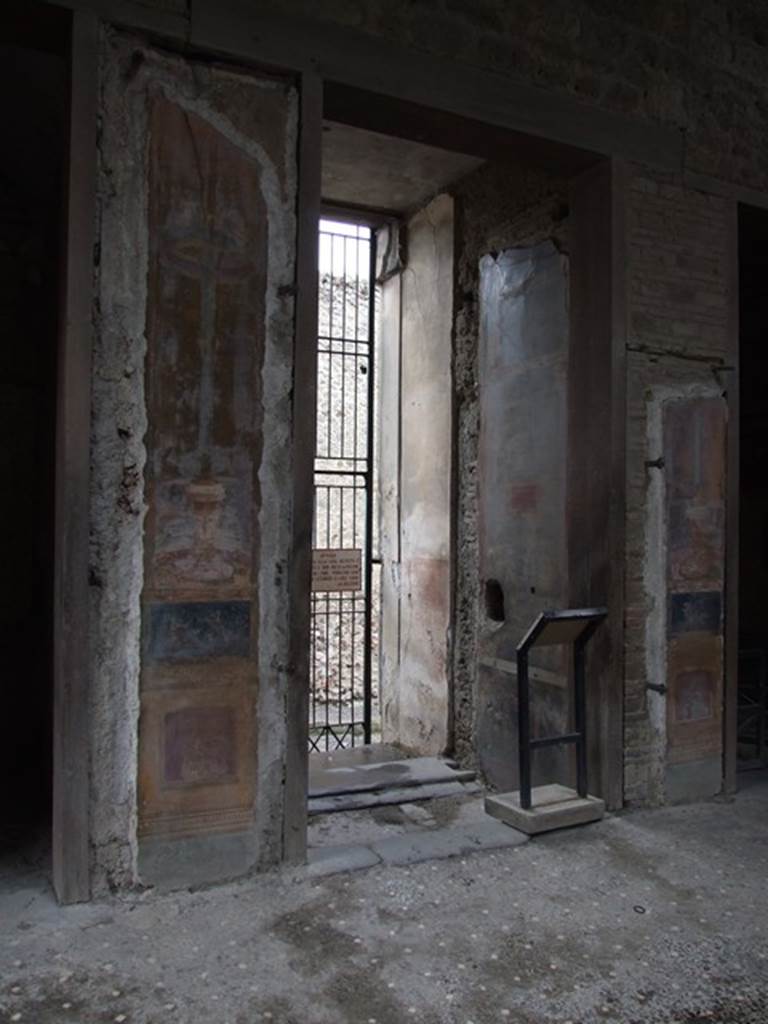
point(444, 197)
point(752, 716)
point(383, 467)
point(380, 603)
point(34, 89)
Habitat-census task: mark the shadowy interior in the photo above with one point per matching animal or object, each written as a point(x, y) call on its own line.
point(753, 504)
point(32, 91)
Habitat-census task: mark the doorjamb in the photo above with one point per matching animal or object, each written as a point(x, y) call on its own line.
point(731, 660)
point(71, 667)
point(597, 396)
point(303, 427)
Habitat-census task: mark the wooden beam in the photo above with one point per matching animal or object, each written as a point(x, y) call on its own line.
point(404, 119)
point(733, 485)
point(359, 60)
point(71, 635)
point(303, 419)
point(136, 14)
point(597, 452)
point(617, 510)
point(726, 189)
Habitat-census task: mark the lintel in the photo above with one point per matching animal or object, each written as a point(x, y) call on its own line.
point(351, 58)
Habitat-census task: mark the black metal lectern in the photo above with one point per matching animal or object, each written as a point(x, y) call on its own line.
point(573, 626)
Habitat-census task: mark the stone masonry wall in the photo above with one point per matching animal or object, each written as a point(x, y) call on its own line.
point(677, 346)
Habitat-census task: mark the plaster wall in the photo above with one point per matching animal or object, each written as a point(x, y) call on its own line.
point(388, 355)
point(416, 461)
point(522, 377)
point(190, 451)
point(498, 207)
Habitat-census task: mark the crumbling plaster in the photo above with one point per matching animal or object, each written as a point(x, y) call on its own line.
point(129, 72)
point(118, 425)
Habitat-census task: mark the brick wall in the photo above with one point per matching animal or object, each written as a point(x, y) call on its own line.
point(677, 341)
point(699, 66)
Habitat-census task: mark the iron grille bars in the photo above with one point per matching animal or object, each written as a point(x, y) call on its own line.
point(341, 697)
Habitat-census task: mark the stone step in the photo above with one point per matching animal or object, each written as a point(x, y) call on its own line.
point(336, 780)
point(395, 795)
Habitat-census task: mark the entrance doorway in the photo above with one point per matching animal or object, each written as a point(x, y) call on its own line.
point(33, 91)
point(752, 717)
point(381, 593)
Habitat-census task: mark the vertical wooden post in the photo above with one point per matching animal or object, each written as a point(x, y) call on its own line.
point(731, 681)
point(304, 387)
point(597, 452)
point(612, 781)
point(71, 636)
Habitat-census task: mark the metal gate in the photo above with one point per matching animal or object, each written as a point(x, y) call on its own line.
point(341, 614)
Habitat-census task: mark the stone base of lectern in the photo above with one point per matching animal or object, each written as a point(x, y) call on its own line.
point(554, 806)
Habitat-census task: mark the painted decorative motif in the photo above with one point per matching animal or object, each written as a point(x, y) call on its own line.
point(199, 746)
point(203, 629)
point(695, 612)
point(208, 246)
point(694, 456)
point(208, 227)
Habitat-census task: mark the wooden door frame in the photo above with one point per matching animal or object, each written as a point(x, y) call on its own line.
point(597, 395)
point(303, 432)
point(733, 485)
point(71, 663)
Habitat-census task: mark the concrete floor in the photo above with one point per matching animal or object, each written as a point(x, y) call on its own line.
point(653, 916)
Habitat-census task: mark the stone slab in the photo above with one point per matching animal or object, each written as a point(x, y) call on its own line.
point(351, 757)
point(329, 780)
point(333, 860)
point(413, 848)
point(554, 806)
point(384, 797)
point(693, 780)
point(443, 843)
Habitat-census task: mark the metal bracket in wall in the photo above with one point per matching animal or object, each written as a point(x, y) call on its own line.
point(656, 687)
